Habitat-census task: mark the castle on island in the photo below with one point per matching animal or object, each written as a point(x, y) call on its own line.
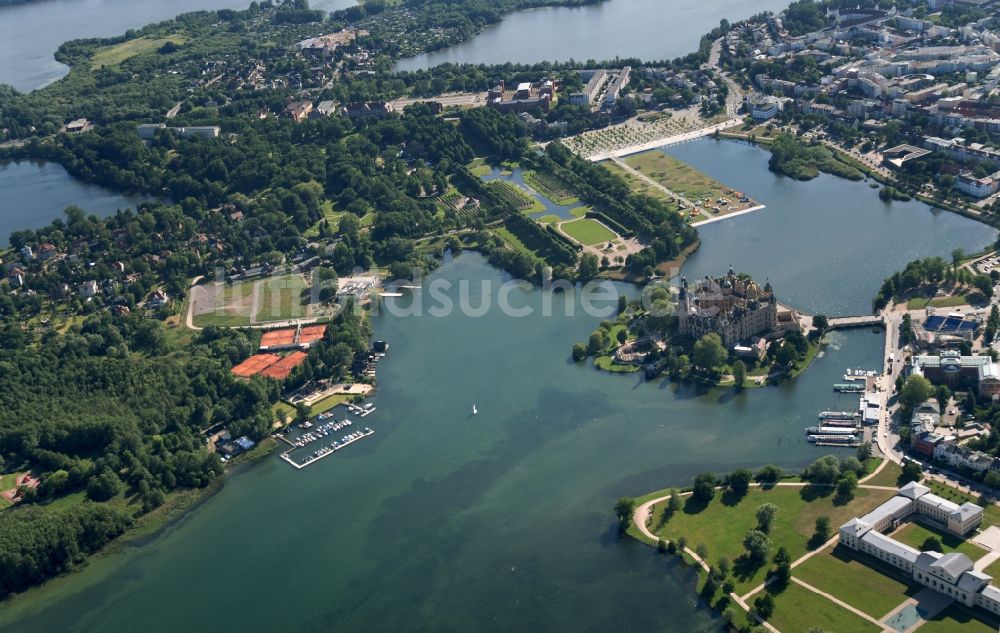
point(732, 306)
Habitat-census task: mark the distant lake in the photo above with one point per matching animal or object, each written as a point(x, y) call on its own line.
point(35, 193)
point(647, 29)
point(31, 33)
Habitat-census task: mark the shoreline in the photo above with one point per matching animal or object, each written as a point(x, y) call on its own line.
point(728, 215)
point(149, 527)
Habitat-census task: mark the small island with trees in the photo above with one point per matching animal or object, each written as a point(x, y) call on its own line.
point(728, 332)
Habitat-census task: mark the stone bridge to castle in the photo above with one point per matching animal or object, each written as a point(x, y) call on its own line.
point(842, 323)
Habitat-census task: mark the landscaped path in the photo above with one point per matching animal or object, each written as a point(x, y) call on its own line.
point(839, 602)
point(644, 512)
point(657, 185)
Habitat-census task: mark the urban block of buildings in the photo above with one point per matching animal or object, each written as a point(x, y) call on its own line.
point(952, 574)
point(527, 97)
point(950, 368)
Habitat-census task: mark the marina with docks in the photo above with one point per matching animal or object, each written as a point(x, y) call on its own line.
point(316, 438)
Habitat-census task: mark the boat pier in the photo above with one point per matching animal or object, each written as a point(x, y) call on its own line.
point(328, 450)
point(323, 435)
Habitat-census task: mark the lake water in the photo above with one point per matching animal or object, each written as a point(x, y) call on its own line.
point(35, 193)
point(447, 522)
point(647, 29)
point(30, 33)
point(826, 244)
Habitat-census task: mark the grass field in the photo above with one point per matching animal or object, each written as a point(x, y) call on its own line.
point(281, 298)
point(588, 232)
point(514, 242)
point(284, 411)
point(796, 609)
point(888, 476)
point(116, 54)
point(855, 582)
point(636, 184)
point(682, 178)
point(332, 218)
point(723, 523)
point(918, 303)
point(956, 620)
point(230, 309)
point(914, 534)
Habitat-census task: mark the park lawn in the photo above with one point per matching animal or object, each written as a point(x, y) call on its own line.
point(7, 481)
point(914, 534)
point(606, 363)
point(281, 298)
point(991, 513)
point(680, 177)
point(515, 242)
point(329, 402)
point(955, 619)
point(796, 609)
point(889, 476)
point(635, 184)
point(117, 53)
point(479, 167)
point(282, 411)
point(840, 574)
point(332, 218)
point(918, 303)
point(588, 232)
point(722, 525)
point(993, 569)
point(548, 219)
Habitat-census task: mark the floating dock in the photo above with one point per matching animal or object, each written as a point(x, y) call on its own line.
point(831, 430)
point(836, 415)
point(834, 440)
point(361, 411)
point(851, 424)
point(849, 387)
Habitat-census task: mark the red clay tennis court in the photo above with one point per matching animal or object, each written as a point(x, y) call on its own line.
point(311, 334)
point(278, 338)
point(254, 365)
point(281, 369)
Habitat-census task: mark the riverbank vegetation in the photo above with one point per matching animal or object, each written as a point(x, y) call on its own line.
point(933, 282)
point(796, 159)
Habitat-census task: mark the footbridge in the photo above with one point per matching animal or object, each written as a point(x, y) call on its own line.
point(842, 323)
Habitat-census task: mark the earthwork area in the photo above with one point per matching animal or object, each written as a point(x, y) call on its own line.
point(251, 302)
